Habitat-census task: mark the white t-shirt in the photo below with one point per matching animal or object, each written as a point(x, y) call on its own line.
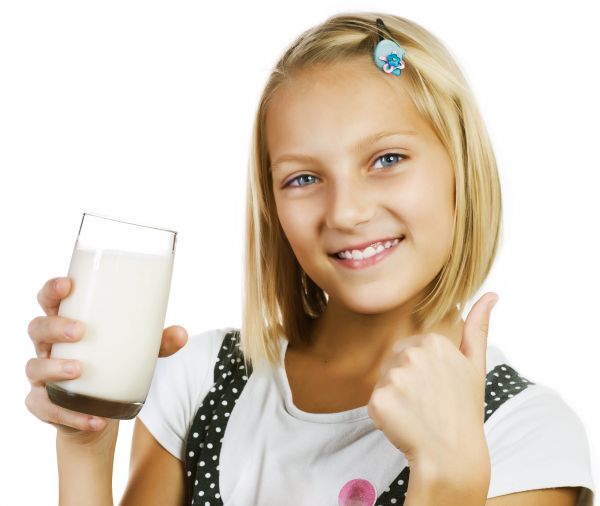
point(274, 453)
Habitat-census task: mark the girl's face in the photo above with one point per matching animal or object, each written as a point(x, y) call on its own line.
point(353, 163)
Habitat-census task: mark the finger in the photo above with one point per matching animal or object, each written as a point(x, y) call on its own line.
point(173, 339)
point(42, 407)
point(46, 330)
point(395, 355)
point(54, 329)
point(405, 342)
point(475, 331)
point(52, 292)
point(42, 370)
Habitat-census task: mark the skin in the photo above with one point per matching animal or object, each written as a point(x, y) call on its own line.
point(52, 328)
point(348, 197)
point(365, 333)
point(364, 348)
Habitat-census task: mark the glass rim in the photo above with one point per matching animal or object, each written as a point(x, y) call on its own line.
point(174, 232)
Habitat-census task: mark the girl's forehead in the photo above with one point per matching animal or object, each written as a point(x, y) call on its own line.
point(355, 74)
point(342, 99)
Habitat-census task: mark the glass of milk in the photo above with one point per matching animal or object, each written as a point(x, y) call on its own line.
point(121, 275)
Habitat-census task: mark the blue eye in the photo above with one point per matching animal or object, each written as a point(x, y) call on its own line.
point(386, 156)
point(391, 155)
point(297, 178)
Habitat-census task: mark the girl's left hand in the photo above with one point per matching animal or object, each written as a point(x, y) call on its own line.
point(429, 400)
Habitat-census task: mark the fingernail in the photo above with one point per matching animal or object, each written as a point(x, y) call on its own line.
point(69, 368)
point(95, 423)
point(72, 329)
point(493, 303)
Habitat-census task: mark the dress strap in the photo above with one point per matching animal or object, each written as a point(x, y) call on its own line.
point(205, 437)
point(502, 383)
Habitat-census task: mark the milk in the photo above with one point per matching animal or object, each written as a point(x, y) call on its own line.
point(121, 297)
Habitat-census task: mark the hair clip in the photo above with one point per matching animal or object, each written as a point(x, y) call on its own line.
point(388, 54)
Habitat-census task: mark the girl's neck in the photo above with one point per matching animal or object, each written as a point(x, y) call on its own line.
point(344, 340)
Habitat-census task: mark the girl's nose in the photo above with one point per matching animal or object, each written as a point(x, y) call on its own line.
point(348, 204)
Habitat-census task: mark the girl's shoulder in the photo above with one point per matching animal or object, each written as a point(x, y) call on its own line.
point(190, 368)
point(535, 437)
point(522, 399)
point(179, 384)
point(202, 345)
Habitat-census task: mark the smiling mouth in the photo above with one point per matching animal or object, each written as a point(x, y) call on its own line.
point(373, 256)
point(367, 252)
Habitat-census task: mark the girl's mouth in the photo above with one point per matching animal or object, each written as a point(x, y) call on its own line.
point(361, 263)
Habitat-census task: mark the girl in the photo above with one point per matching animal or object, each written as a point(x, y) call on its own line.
point(373, 216)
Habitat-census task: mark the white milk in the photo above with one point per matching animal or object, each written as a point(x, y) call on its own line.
point(122, 298)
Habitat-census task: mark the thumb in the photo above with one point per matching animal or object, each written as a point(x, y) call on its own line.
point(173, 339)
point(475, 331)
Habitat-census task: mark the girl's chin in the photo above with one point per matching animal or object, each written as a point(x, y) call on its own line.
point(363, 302)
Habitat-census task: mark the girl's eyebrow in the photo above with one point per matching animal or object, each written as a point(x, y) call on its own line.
point(359, 146)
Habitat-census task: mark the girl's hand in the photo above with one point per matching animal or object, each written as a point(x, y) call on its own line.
point(429, 400)
point(46, 330)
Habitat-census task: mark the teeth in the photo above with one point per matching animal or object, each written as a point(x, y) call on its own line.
point(371, 250)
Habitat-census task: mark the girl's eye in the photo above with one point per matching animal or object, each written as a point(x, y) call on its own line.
point(392, 156)
point(298, 178)
point(387, 157)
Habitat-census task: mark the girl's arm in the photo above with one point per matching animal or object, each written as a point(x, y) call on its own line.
point(451, 485)
point(85, 455)
point(85, 466)
point(85, 470)
point(155, 476)
point(425, 492)
point(462, 482)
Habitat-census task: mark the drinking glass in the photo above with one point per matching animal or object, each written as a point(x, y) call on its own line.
point(121, 278)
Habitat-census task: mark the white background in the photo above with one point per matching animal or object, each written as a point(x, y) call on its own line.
point(143, 111)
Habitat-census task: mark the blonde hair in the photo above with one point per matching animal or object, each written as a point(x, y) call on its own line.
point(279, 299)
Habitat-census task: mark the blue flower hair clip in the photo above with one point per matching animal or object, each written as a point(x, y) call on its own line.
point(388, 54)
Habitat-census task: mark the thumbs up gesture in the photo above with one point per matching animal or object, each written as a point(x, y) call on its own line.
point(429, 400)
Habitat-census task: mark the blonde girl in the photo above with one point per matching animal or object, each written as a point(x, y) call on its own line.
point(373, 217)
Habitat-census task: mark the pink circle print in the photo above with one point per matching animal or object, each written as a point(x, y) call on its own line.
point(357, 493)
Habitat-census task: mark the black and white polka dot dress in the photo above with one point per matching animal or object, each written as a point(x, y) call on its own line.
point(205, 437)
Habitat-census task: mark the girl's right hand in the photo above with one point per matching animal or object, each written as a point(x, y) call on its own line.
point(49, 329)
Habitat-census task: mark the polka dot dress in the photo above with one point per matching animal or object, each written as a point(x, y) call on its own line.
point(208, 427)
point(205, 437)
point(502, 383)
